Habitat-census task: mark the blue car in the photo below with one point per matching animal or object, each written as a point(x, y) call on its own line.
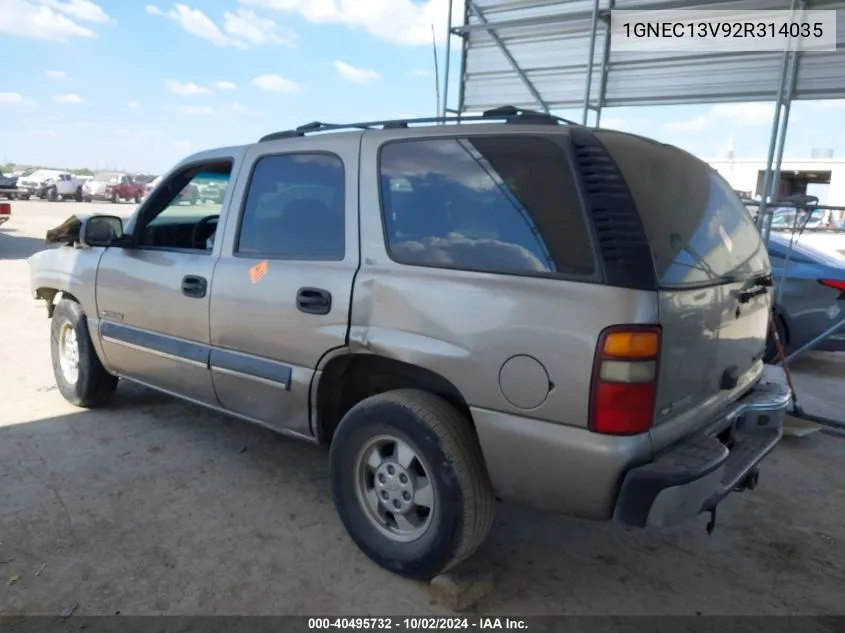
point(813, 297)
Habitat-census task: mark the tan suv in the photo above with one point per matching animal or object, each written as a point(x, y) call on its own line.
point(507, 308)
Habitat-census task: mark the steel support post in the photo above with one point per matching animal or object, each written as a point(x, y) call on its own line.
point(591, 54)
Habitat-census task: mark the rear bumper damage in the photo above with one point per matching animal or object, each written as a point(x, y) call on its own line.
point(696, 474)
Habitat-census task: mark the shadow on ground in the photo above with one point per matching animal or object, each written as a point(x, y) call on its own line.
point(13, 245)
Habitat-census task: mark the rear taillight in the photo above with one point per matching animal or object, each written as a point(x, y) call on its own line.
point(624, 381)
point(5, 208)
point(833, 283)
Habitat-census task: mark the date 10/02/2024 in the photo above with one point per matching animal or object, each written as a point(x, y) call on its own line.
point(422, 623)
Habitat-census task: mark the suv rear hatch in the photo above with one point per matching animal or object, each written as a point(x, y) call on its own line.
point(713, 276)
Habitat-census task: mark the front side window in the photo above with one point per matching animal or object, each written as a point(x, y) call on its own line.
point(503, 204)
point(294, 209)
point(177, 218)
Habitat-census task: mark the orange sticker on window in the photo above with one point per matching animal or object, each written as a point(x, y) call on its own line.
point(257, 272)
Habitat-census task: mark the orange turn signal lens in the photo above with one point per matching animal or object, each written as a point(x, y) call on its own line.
point(632, 344)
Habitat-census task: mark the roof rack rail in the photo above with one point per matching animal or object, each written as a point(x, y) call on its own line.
point(505, 114)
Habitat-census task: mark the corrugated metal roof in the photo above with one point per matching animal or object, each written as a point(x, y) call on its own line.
point(549, 41)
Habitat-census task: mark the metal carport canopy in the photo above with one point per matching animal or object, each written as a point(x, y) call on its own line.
point(536, 54)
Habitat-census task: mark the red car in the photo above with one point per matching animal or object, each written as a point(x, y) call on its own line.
point(113, 186)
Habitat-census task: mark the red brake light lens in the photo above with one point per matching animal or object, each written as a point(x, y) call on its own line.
point(833, 283)
point(624, 382)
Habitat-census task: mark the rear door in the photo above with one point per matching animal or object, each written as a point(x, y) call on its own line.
point(712, 266)
point(282, 288)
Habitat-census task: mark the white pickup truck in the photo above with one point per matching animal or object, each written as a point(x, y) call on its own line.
point(62, 187)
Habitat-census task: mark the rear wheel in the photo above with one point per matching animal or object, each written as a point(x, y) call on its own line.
point(52, 194)
point(137, 198)
point(80, 376)
point(79, 197)
point(409, 482)
point(115, 198)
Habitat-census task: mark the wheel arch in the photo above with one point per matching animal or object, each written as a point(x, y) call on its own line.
point(347, 379)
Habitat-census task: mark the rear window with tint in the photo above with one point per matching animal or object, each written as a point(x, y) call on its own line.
point(504, 204)
point(698, 229)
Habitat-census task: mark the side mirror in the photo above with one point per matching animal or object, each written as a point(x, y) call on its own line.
point(100, 230)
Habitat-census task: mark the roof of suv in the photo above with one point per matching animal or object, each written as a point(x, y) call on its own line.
point(486, 121)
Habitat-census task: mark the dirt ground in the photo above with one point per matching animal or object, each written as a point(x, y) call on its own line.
point(153, 506)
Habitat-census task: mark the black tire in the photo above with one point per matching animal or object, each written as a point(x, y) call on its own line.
point(52, 194)
point(770, 356)
point(94, 385)
point(443, 437)
point(26, 196)
point(137, 198)
point(79, 197)
point(115, 198)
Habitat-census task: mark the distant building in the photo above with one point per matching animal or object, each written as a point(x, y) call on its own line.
point(820, 177)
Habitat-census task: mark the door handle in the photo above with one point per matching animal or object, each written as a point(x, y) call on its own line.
point(314, 300)
point(193, 286)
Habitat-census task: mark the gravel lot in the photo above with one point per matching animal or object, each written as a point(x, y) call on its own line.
point(158, 507)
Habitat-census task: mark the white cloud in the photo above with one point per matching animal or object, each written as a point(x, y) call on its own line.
point(744, 114)
point(68, 98)
point(753, 113)
point(420, 72)
point(83, 10)
point(133, 105)
point(225, 85)
point(56, 74)
point(45, 133)
point(247, 27)
point(276, 83)
point(187, 89)
point(406, 22)
point(241, 29)
point(830, 103)
point(696, 124)
point(195, 109)
point(238, 108)
point(35, 20)
point(357, 75)
point(14, 99)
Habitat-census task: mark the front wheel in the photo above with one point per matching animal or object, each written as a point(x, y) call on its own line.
point(409, 482)
point(137, 198)
point(52, 194)
point(80, 376)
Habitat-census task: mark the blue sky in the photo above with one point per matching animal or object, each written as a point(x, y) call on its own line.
point(138, 84)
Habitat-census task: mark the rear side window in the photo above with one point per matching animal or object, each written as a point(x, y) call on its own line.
point(698, 229)
point(502, 204)
point(294, 209)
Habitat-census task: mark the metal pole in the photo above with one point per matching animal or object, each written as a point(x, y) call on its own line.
point(762, 212)
point(782, 109)
point(464, 46)
point(590, 62)
point(605, 64)
point(448, 61)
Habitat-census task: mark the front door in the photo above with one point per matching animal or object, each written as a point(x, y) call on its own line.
point(153, 296)
point(282, 288)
